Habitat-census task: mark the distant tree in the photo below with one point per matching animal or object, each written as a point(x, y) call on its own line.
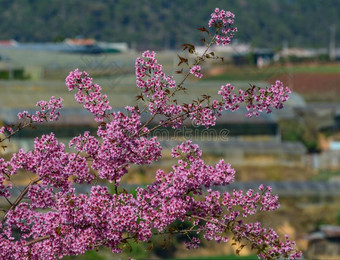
point(264, 23)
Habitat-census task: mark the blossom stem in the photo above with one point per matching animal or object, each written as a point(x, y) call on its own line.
point(20, 197)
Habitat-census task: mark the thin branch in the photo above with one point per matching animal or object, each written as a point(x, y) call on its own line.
point(147, 122)
point(10, 203)
point(14, 132)
point(116, 187)
point(200, 59)
point(144, 109)
point(184, 231)
point(21, 196)
point(39, 239)
point(167, 121)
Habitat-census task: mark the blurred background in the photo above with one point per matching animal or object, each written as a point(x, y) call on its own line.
point(295, 150)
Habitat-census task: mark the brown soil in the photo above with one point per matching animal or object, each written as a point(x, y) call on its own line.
point(308, 84)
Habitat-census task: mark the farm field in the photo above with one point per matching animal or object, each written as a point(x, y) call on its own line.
point(314, 87)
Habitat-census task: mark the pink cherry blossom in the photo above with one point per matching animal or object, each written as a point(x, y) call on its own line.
point(196, 70)
point(223, 20)
point(88, 94)
point(48, 111)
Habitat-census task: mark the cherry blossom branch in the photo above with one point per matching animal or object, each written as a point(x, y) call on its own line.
point(227, 227)
point(48, 112)
point(148, 121)
point(13, 132)
point(197, 62)
point(102, 218)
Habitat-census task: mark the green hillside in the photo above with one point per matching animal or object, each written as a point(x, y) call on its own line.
point(164, 23)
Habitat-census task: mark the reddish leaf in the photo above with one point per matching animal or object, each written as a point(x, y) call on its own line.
point(182, 60)
point(203, 29)
point(139, 97)
point(190, 47)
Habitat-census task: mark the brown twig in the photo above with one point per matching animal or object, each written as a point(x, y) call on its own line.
point(165, 122)
point(169, 120)
point(10, 203)
point(14, 132)
point(39, 239)
point(200, 59)
point(147, 122)
point(21, 196)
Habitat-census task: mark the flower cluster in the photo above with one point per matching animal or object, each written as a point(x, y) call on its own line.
point(155, 84)
point(48, 161)
point(121, 147)
point(77, 223)
point(41, 196)
point(193, 243)
point(266, 239)
point(196, 70)
point(264, 100)
point(85, 143)
point(224, 21)
point(250, 201)
point(88, 94)
point(48, 111)
point(201, 115)
point(272, 97)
